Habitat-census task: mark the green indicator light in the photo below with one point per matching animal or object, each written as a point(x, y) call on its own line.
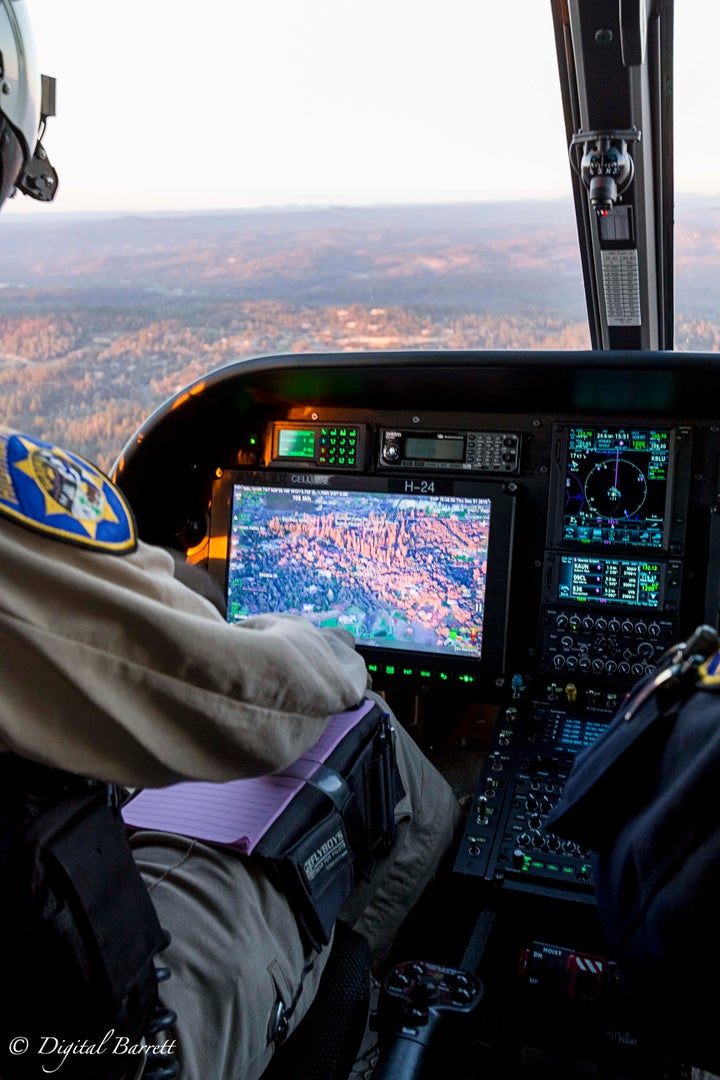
point(407, 671)
point(373, 667)
point(537, 865)
point(253, 440)
point(567, 870)
point(553, 866)
point(443, 675)
point(389, 669)
point(424, 674)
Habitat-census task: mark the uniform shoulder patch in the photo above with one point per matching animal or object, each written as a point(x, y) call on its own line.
point(709, 672)
point(58, 494)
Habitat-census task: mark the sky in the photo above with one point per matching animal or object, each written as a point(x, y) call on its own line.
point(175, 105)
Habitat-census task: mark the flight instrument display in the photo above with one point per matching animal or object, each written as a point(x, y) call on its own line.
point(617, 486)
point(399, 571)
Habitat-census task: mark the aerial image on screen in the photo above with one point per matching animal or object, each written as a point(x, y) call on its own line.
point(616, 487)
point(397, 571)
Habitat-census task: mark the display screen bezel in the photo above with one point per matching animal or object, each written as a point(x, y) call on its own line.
point(502, 515)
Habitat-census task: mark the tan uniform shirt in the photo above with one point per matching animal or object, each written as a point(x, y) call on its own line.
point(114, 669)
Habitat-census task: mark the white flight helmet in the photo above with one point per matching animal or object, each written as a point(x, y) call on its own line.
point(26, 99)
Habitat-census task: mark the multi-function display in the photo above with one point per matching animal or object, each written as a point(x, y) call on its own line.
point(417, 569)
point(399, 571)
point(617, 486)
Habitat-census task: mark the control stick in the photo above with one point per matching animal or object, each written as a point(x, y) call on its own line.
point(424, 1011)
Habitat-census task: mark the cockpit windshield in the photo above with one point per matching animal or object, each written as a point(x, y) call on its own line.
point(283, 178)
point(697, 178)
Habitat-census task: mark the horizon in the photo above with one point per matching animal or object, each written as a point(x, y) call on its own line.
point(108, 314)
point(49, 212)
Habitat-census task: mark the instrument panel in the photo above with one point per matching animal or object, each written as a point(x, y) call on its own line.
point(416, 550)
point(525, 532)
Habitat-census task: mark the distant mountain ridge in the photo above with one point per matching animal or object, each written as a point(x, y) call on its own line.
point(466, 256)
point(103, 317)
point(469, 256)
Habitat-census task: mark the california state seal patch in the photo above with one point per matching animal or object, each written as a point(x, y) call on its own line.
point(60, 495)
point(709, 672)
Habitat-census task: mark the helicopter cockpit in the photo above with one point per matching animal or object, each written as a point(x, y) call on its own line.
point(509, 570)
point(513, 538)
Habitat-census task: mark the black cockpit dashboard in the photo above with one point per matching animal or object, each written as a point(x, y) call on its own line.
point(514, 539)
point(492, 527)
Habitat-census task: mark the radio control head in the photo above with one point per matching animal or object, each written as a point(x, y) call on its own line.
point(464, 451)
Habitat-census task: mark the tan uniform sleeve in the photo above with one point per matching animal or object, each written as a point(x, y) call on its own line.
point(114, 669)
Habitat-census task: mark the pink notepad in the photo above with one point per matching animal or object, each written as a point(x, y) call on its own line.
point(237, 813)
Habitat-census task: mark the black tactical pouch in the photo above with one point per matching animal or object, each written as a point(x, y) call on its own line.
point(336, 827)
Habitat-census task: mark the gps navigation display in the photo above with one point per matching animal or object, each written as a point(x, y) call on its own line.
point(617, 487)
point(632, 582)
point(399, 571)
